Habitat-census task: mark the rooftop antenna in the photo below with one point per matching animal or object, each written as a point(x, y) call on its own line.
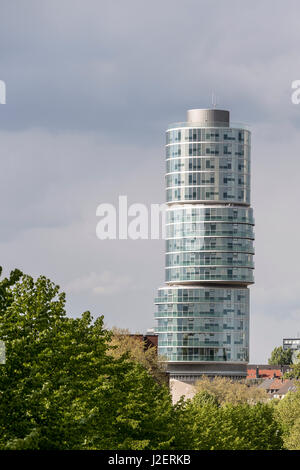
point(213, 99)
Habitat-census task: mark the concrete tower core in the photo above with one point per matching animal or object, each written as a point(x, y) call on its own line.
point(203, 310)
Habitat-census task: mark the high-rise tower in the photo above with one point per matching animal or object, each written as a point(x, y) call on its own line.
point(203, 311)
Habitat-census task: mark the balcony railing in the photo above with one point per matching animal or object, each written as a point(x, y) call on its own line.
point(180, 357)
point(199, 315)
point(197, 329)
point(212, 124)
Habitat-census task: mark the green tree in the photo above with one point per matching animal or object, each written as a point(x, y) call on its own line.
point(288, 414)
point(226, 390)
point(232, 426)
point(294, 369)
point(62, 389)
point(123, 342)
point(280, 357)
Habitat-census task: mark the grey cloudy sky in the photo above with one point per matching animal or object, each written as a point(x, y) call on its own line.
point(91, 87)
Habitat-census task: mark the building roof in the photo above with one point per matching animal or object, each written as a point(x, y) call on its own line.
point(265, 384)
point(276, 384)
point(287, 386)
point(149, 340)
point(263, 366)
point(265, 371)
point(278, 387)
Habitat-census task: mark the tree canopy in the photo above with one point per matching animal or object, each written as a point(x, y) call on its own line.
point(70, 383)
point(123, 342)
point(280, 357)
point(61, 388)
point(239, 426)
point(294, 369)
point(231, 391)
point(288, 414)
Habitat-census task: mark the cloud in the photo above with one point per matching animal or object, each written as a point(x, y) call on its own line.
point(129, 68)
point(106, 283)
point(91, 86)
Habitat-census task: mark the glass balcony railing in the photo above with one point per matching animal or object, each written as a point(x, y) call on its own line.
point(208, 277)
point(189, 299)
point(181, 233)
point(199, 315)
point(220, 248)
point(198, 219)
point(193, 344)
point(197, 358)
point(212, 124)
point(197, 329)
point(200, 263)
point(190, 358)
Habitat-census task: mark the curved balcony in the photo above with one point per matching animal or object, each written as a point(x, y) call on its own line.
point(209, 244)
point(209, 274)
point(206, 314)
point(177, 260)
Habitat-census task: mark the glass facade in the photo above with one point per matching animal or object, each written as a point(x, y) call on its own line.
point(203, 312)
point(208, 164)
point(203, 323)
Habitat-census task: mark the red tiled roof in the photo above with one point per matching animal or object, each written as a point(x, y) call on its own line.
point(276, 384)
point(287, 386)
point(264, 373)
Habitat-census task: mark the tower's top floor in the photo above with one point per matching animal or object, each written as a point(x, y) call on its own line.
point(206, 117)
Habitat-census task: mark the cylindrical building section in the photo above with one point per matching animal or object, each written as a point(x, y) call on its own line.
point(214, 117)
point(203, 312)
point(198, 323)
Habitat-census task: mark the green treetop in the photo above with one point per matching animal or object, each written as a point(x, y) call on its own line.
point(280, 357)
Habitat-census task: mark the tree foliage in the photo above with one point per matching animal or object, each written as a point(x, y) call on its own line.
point(288, 414)
point(294, 370)
point(281, 357)
point(230, 391)
point(61, 388)
point(232, 426)
point(69, 383)
point(125, 343)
